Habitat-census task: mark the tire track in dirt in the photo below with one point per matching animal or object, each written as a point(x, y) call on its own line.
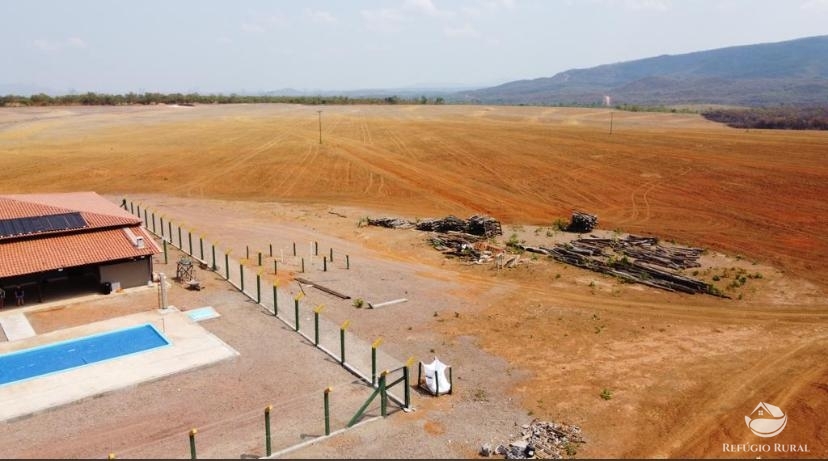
point(697, 431)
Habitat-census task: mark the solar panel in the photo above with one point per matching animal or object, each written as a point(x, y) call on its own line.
point(38, 224)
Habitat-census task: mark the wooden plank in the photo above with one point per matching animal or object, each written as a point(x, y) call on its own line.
point(323, 288)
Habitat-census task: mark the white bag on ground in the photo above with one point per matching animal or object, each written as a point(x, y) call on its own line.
point(435, 377)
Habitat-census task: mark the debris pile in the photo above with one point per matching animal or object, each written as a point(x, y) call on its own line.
point(394, 223)
point(449, 223)
point(634, 259)
point(476, 225)
point(485, 226)
point(543, 440)
point(582, 222)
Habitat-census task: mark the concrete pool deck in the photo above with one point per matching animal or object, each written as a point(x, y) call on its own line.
point(191, 346)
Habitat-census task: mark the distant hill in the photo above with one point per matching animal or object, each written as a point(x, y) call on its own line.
point(790, 72)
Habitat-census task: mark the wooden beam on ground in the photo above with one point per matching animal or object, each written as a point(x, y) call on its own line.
point(320, 287)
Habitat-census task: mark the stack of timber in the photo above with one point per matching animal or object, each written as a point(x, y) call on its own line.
point(582, 222)
point(394, 223)
point(449, 223)
point(476, 225)
point(484, 225)
point(633, 259)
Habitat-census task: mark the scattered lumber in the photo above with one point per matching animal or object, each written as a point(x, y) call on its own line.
point(635, 259)
point(542, 440)
point(394, 223)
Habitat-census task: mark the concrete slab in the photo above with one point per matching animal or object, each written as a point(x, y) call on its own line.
point(16, 326)
point(191, 346)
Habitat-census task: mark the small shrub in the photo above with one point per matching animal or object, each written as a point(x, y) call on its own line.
point(359, 302)
point(716, 278)
point(606, 394)
point(560, 224)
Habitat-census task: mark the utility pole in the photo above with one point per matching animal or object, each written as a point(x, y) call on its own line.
point(610, 124)
point(320, 126)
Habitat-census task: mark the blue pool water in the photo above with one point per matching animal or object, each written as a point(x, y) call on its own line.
point(65, 355)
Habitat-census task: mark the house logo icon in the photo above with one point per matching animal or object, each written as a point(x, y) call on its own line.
point(766, 420)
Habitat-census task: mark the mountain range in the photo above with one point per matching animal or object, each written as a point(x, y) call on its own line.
point(793, 72)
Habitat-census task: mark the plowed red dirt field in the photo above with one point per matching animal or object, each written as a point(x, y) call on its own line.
point(683, 370)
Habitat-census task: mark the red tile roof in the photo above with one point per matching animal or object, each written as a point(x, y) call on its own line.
point(61, 251)
point(102, 240)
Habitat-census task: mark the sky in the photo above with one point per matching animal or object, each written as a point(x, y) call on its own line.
point(246, 46)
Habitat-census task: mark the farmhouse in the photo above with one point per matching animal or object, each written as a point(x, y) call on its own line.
point(58, 245)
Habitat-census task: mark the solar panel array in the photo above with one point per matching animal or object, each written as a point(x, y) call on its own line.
point(38, 224)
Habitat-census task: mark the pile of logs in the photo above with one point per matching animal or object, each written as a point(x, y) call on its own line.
point(484, 225)
point(394, 223)
point(582, 222)
point(449, 223)
point(476, 225)
point(543, 440)
point(634, 259)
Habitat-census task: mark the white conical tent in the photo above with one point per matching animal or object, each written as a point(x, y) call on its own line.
point(436, 380)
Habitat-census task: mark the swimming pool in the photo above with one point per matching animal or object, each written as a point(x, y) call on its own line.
point(65, 355)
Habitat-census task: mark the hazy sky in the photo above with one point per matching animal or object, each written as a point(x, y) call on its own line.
point(252, 45)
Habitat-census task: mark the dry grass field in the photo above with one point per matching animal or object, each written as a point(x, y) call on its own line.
point(683, 370)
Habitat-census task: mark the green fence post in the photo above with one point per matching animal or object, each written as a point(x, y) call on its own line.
point(407, 388)
point(193, 432)
point(342, 341)
point(260, 258)
point(153, 221)
point(180, 245)
point(241, 276)
point(294, 248)
point(259, 286)
point(146, 220)
point(331, 255)
point(131, 209)
point(190, 241)
point(324, 264)
point(271, 250)
point(316, 248)
point(227, 265)
point(296, 310)
point(275, 267)
point(303, 265)
point(201, 247)
point(374, 347)
point(138, 208)
point(161, 218)
point(169, 227)
point(315, 328)
point(316, 311)
point(165, 251)
point(267, 429)
point(347, 262)
point(383, 394)
point(214, 256)
point(327, 411)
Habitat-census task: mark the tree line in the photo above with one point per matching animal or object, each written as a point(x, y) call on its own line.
point(102, 99)
point(777, 118)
